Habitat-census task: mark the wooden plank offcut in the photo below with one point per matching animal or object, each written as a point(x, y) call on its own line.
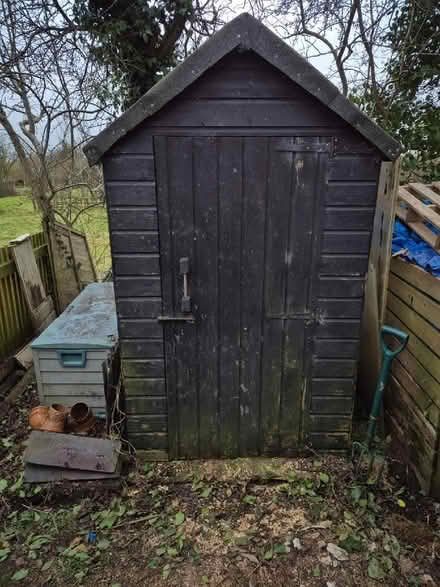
point(41, 474)
point(72, 452)
point(40, 305)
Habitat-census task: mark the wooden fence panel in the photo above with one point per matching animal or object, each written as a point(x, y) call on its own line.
point(15, 321)
point(412, 398)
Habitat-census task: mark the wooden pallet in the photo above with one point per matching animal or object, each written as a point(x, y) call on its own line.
point(412, 210)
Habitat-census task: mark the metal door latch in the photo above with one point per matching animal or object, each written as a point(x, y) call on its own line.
point(185, 304)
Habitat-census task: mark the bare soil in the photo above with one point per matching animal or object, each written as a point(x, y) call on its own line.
point(236, 523)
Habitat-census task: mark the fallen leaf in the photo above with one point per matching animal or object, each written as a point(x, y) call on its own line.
point(250, 557)
point(20, 575)
point(338, 553)
point(268, 555)
point(241, 540)
point(297, 544)
point(179, 518)
point(375, 571)
point(77, 540)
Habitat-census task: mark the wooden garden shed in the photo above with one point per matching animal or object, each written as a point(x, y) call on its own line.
point(241, 194)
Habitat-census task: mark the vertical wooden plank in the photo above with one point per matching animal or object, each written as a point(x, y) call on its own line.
point(389, 212)
point(279, 189)
point(74, 261)
point(165, 233)
point(320, 180)
point(9, 326)
point(180, 182)
point(3, 323)
point(292, 385)
point(255, 166)
point(15, 313)
point(206, 288)
point(230, 197)
point(271, 386)
point(376, 288)
point(299, 252)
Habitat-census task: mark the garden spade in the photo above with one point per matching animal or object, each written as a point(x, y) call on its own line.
point(363, 449)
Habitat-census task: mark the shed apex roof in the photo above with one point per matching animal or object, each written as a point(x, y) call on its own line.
point(244, 32)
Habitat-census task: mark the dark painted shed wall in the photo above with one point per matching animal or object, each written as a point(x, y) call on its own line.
point(242, 95)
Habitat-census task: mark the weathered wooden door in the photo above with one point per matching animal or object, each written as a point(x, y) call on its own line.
point(241, 216)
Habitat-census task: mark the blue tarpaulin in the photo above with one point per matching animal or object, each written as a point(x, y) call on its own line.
point(419, 252)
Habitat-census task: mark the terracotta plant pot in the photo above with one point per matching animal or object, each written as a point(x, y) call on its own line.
point(56, 418)
point(38, 417)
point(81, 418)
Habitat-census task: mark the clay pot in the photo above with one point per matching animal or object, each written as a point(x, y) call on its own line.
point(56, 418)
point(81, 418)
point(38, 417)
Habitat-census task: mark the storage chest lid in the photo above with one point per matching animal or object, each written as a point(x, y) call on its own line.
point(88, 322)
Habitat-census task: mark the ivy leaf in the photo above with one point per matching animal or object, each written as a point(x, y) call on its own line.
point(352, 543)
point(280, 549)
point(3, 485)
point(179, 518)
point(324, 478)
point(206, 492)
point(20, 575)
point(356, 493)
point(4, 553)
point(249, 499)
point(375, 571)
point(268, 555)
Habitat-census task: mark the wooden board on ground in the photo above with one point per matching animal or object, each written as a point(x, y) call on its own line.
point(24, 357)
point(40, 305)
point(7, 367)
point(72, 262)
point(8, 383)
point(42, 474)
point(72, 452)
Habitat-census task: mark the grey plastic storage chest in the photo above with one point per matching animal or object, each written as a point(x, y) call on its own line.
point(69, 354)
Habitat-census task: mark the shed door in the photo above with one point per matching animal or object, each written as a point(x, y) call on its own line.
point(244, 213)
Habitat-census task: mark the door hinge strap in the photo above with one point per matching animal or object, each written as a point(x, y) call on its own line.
point(187, 318)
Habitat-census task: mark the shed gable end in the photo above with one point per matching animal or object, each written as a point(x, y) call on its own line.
point(242, 89)
point(242, 33)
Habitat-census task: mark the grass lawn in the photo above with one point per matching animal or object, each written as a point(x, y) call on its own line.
point(17, 216)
